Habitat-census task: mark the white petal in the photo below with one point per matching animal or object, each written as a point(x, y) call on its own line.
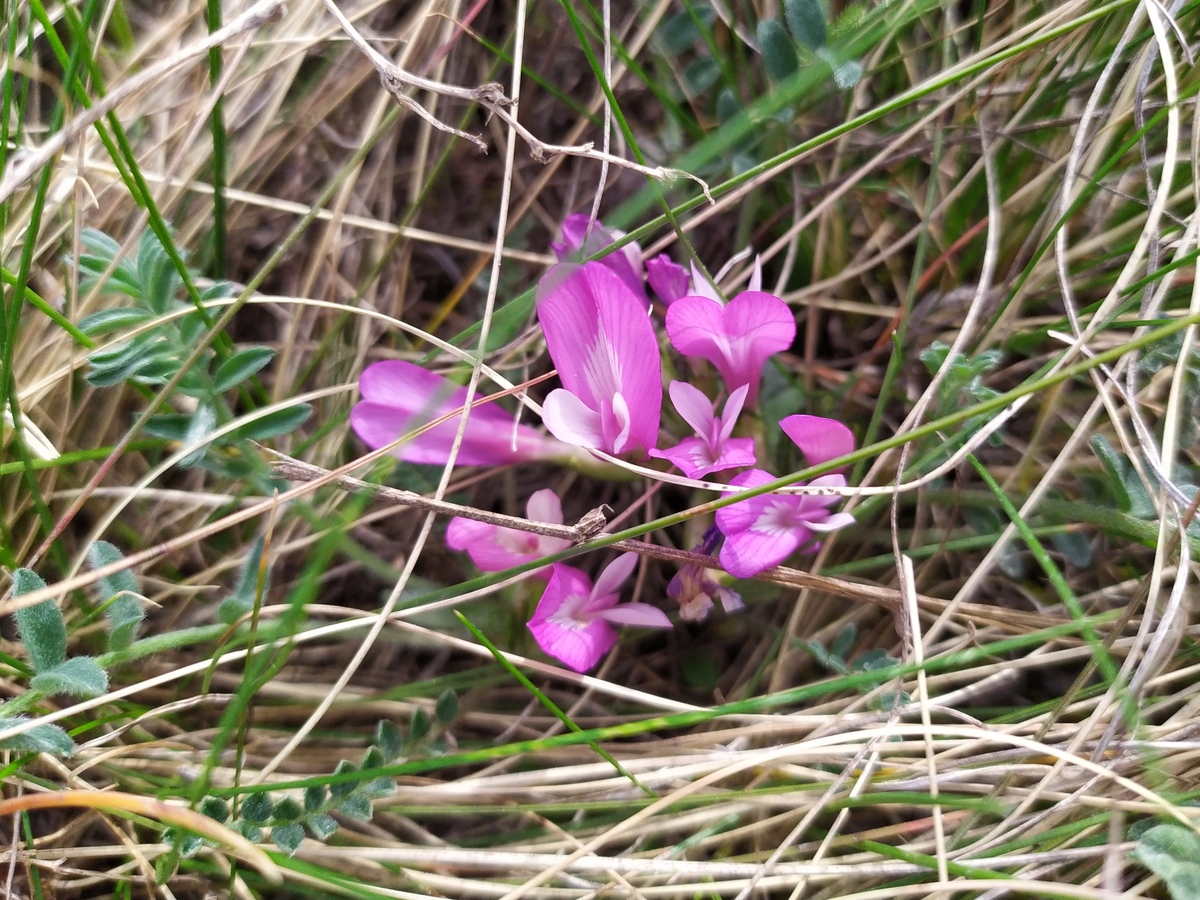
point(570, 420)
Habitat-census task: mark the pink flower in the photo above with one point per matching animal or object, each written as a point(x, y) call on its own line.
point(574, 619)
point(603, 345)
point(667, 278)
point(578, 242)
point(694, 586)
point(736, 338)
point(763, 531)
point(713, 450)
point(494, 548)
point(399, 397)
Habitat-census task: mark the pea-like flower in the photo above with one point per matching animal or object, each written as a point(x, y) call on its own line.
point(578, 241)
point(494, 548)
point(694, 586)
point(714, 448)
point(574, 619)
point(603, 345)
point(763, 531)
point(737, 338)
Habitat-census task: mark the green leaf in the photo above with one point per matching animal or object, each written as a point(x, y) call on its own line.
point(356, 806)
point(778, 51)
point(700, 75)
point(420, 726)
point(372, 759)
point(215, 808)
point(289, 837)
point(257, 808)
point(107, 320)
point(279, 422)
point(874, 660)
point(844, 642)
point(379, 787)
point(288, 810)
point(124, 612)
point(322, 825)
point(806, 19)
point(446, 708)
point(80, 676)
point(315, 797)
point(240, 366)
point(1075, 548)
point(389, 739)
point(679, 33)
point(189, 844)
point(1172, 852)
point(345, 788)
point(249, 831)
point(233, 608)
point(39, 739)
point(42, 628)
point(1131, 494)
point(172, 426)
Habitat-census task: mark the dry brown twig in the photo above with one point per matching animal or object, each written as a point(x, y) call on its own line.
point(591, 526)
point(491, 97)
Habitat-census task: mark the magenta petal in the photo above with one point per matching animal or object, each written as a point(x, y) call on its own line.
point(757, 326)
point(695, 328)
point(603, 344)
point(693, 406)
point(818, 438)
point(574, 230)
point(735, 453)
point(743, 514)
point(614, 575)
point(578, 241)
point(737, 338)
point(568, 419)
point(695, 459)
point(667, 278)
point(561, 625)
point(746, 553)
point(691, 456)
point(399, 398)
point(639, 615)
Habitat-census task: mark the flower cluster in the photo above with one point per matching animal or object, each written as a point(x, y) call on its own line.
point(598, 322)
